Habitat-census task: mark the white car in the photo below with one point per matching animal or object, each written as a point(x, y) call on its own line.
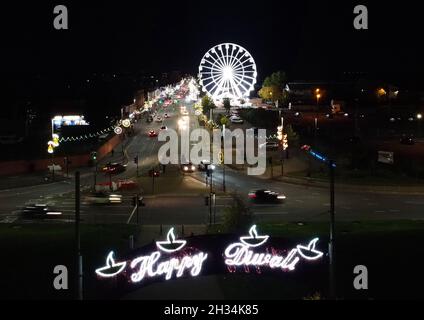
point(236, 120)
point(103, 198)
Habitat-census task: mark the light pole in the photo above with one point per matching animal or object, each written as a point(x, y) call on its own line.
point(223, 162)
point(419, 121)
point(50, 150)
point(283, 138)
point(209, 168)
point(78, 236)
point(331, 244)
point(318, 96)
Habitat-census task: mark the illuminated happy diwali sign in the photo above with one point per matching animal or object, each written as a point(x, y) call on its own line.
point(174, 259)
point(154, 265)
point(241, 253)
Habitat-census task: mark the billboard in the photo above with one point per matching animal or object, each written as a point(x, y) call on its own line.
point(63, 121)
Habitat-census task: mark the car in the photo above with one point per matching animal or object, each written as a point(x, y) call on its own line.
point(204, 165)
point(266, 196)
point(114, 168)
point(236, 120)
point(188, 168)
point(408, 140)
point(166, 116)
point(270, 145)
point(163, 128)
point(103, 198)
point(149, 119)
point(159, 119)
point(39, 211)
point(153, 133)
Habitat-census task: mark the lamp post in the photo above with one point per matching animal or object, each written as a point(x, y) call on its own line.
point(209, 171)
point(78, 236)
point(318, 97)
point(223, 162)
point(283, 138)
point(50, 150)
point(419, 122)
point(331, 244)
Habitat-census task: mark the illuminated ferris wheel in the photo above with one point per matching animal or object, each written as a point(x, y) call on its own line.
point(228, 71)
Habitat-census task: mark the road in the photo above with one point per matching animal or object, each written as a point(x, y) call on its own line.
point(303, 203)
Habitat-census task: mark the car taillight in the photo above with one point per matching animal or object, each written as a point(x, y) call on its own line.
point(252, 195)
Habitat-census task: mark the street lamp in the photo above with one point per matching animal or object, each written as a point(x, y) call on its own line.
point(331, 245)
point(223, 162)
point(318, 97)
point(419, 118)
point(50, 150)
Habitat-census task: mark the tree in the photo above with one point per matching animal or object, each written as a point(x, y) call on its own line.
point(273, 87)
point(277, 79)
point(225, 121)
point(227, 104)
point(207, 104)
point(270, 93)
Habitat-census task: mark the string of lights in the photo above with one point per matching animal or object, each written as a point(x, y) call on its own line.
point(88, 136)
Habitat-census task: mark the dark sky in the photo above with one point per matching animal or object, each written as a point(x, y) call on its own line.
point(304, 38)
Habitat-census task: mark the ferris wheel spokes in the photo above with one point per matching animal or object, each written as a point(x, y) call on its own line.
point(227, 71)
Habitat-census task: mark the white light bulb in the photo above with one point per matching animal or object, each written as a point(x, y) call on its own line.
point(227, 73)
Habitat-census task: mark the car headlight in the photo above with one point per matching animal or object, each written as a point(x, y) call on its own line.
point(281, 197)
point(185, 168)
point(213, 167)
point(50, 213)
point(193, 168)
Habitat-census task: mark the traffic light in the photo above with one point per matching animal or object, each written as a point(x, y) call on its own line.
point(136, 160)
point(94, 156)
point(285, 142)
point(306, 148)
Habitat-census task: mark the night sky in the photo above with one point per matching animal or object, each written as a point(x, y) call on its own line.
point(307, 39)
